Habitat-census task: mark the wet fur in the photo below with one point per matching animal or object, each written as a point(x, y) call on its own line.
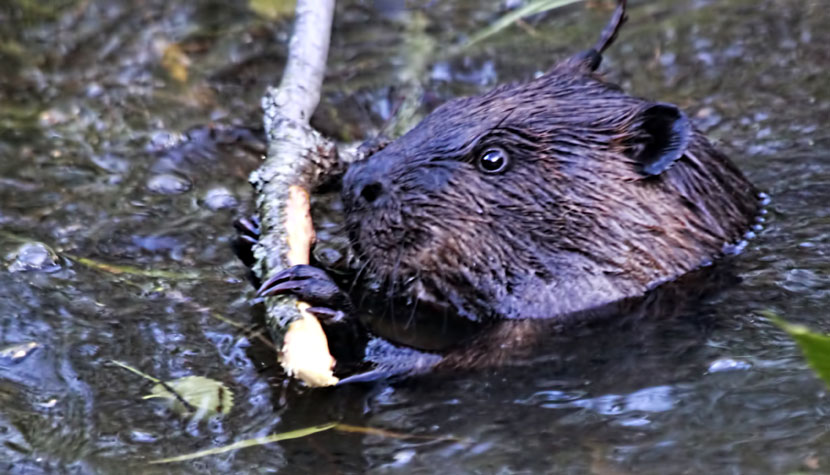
point(573, 224)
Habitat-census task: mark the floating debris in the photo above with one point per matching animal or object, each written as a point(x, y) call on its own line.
point(33, 256)
point(16, 353)
point(191, 394)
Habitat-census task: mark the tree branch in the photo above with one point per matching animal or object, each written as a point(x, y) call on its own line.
point(298, 156)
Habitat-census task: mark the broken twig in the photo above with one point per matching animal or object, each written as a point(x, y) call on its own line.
point(298, 156)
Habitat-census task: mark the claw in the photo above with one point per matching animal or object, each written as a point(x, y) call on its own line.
point(308, 283)
point(327, 315)
point(269, 288)
point(248, 231)
point(295, 273)
point(367, 377)
point(248, 226)
point(392, 362)
point(264, 288)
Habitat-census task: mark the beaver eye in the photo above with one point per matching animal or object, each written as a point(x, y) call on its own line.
point(493, 160)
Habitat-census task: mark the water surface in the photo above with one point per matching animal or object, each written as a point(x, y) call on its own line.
point(128, 129)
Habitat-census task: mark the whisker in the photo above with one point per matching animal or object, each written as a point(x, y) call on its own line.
point(394, 284)
point(359, 274)
point(365, 293)
point(411, 319)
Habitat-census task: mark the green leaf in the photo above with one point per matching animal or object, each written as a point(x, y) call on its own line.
point(194, 392)
point(814, 346)
point(294, 434)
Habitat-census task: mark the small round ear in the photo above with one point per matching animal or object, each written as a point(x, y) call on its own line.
point(663, 137)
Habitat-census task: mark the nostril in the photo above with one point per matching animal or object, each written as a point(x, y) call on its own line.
point(371, 192)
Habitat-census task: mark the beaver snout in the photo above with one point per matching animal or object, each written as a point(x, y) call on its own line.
point(365, 184)
point(364, 189)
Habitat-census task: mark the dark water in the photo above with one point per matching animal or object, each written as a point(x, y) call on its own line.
point(108, 152)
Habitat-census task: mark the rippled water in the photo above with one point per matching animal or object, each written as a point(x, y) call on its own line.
point(109, 152)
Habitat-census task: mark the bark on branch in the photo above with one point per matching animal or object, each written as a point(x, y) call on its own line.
point(298, 156)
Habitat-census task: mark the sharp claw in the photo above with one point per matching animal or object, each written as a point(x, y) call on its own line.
point(289, 275)
point(392, 362)
point(309, 283)
point(247, 225)
point(265, 287)
point(327, 314)
point(248, 239)
point(281, 288)
point(367, 377)
point(241, 225)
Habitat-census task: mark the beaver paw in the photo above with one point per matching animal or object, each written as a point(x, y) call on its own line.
point(312, 285)
point(392, 362)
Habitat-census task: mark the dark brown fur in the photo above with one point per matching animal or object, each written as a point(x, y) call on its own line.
point(605, 197)
point(573, 224)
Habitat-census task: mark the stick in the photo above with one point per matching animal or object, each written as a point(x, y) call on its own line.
point(298, 157)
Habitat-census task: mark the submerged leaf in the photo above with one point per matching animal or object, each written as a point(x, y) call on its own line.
point(194, 392)
point(294, 434)
point(116, 269)
point(175, 61)
point(191, 393)
point(814, 346)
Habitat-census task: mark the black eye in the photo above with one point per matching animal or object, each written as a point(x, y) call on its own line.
point(493, 160)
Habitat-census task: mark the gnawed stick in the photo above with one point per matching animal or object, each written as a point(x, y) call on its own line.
point(298, 157)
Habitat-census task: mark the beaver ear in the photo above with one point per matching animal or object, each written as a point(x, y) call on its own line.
point(663, 137)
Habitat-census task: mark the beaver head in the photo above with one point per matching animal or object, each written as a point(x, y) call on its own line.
point(544, 198)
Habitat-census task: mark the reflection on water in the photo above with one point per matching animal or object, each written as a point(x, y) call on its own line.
point(126, 136)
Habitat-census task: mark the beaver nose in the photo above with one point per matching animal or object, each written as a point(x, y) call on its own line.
point(371, 191)
point(368, 190)
point(367, 182)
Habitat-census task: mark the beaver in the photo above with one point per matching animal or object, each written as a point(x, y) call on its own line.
point(536, 200)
